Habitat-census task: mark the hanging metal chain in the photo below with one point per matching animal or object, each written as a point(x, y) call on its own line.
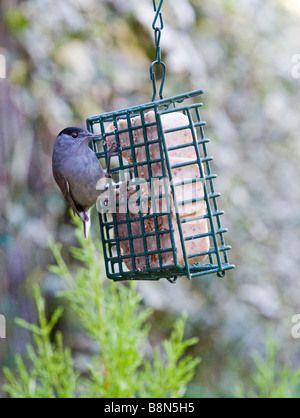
point(158, 25)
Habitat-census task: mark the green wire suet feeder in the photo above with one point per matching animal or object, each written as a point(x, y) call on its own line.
point(159, 217)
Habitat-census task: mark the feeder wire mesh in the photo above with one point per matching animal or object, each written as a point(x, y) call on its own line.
point(149, 234)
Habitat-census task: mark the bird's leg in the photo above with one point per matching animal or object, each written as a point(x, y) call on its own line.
point(112, 152)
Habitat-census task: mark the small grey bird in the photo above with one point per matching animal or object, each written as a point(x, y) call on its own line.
point(78, 172)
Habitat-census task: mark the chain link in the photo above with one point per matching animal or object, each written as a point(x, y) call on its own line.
point(158, 25)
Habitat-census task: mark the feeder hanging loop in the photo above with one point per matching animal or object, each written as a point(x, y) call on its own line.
point(158, 25)
point(153, 78)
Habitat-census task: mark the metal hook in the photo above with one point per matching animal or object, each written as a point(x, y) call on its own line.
point(158, 29)
point(221, 274)
point(153, 78)
point(158, 15)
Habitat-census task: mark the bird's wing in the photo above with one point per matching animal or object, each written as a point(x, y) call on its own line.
point(65, 188)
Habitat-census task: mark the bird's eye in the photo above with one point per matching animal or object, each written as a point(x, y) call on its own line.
point(75, 135)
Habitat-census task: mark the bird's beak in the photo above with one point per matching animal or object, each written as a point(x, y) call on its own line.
point(92, 136)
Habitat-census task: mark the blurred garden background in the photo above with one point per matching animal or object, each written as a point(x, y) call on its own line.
point(71, 59)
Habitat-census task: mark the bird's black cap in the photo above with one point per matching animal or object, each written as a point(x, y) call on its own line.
point(72, 130)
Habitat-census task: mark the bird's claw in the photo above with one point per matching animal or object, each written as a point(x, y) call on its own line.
point(112, 152)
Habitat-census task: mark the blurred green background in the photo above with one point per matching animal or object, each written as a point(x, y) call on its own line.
point(71, 59)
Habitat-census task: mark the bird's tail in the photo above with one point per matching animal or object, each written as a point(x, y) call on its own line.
point(87, 224)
